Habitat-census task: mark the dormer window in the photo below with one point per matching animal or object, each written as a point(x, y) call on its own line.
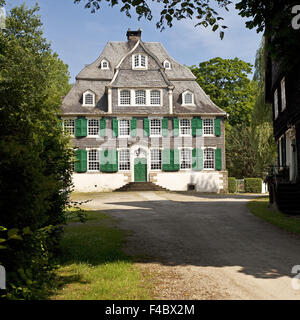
point(188, 98)
point(139, 61)
point(89, 99)
point(104, 64)
point(167, 64)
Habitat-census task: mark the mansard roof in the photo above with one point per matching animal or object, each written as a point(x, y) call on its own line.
point(120, 75)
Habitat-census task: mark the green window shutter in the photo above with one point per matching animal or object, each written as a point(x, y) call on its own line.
point(217, 127)
point(102, 127)
point(165, 127)
point(176, 161)
point(196, 127)
point(218, 156)
point(166, 163)
point(197, 159)
point(170, 160)
point(175, 127)
point(115, 127)
point(81, 127)
point(81, 160)
point(146, 127)
point(109, 160)
point(133, 127)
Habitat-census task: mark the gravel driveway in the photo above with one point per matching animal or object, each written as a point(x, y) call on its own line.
point(204, 246)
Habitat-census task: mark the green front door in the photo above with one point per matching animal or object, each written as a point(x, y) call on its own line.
point(140, 170)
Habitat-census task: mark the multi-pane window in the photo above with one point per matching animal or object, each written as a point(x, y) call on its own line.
point(89, 99)
point(155, 97)
point(283, 97)
point(185, 159)
point(143, 61)
point(276, 103)
point(167, 64)
point(139, 61)
point(155, 127)
point(93, 160)
point(124, 128)
point(155, 159)
point(208, 126)
point(69, 126)
point(188, 98)
point(209, 158)
point(125, 97)
point(140, 97)
point(93, 127)
point(185, 126)
point(104, 64)
point(124, 159)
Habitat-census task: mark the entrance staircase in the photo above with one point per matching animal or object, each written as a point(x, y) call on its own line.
point(141, 186)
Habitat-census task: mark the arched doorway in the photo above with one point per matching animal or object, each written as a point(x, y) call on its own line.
point(140, 165)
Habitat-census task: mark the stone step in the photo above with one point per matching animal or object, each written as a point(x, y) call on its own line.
point(141, 186)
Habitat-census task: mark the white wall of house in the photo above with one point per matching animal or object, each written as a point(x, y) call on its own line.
point(98, 182)
point(179, 181)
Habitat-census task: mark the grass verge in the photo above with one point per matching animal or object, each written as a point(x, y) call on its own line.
point(259, 208)
point(93, 265)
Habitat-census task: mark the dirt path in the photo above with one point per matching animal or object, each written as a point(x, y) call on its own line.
point(204, 247)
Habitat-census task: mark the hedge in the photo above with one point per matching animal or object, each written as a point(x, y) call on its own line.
point(253, 185)
point(232, 185)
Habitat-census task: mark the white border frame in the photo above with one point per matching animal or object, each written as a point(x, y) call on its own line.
point(94, 98)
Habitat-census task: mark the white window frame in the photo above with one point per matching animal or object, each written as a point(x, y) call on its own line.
point(213, 127)
point(121, 162)
point(88, 127)
point(150, 100)
point(276, 104)
point(96, 161)
point(184, 149)
point(130, 97)
point(283, 94)
point(94, 98)
point(150, 127)
point(102, 66)
point(159, 161)
point(73, 127)
point(181, 127)
point(119, 127)
point(135, 97)
point(214, 158)
point(139, 66)
point(167, 62)
point(183, 98)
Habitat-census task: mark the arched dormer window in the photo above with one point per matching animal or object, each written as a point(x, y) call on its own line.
point(167, 64)
point(88, 99)
point(104, 64)
point(188, 98)
point(139, 61)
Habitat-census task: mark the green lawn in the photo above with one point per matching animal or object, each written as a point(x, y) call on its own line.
point(259, 208)
point(93, 265)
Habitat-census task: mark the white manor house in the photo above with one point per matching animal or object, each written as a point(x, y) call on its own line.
point(137, 115)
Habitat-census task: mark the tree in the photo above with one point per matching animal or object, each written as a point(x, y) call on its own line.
point(35, 158)
point(202, 10)
point(227, 84)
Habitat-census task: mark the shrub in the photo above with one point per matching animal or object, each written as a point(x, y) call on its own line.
point(253, 185)
point(232, 185)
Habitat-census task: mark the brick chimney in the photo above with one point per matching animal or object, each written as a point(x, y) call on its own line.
point(133, 36)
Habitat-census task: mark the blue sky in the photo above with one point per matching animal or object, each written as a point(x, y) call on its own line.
point(79, 36)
